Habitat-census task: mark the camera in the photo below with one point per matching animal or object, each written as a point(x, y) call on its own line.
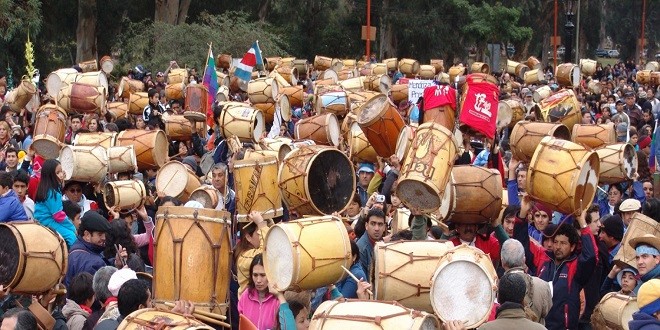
point(380, 198)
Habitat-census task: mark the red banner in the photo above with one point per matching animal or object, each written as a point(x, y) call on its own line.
point(479, 110)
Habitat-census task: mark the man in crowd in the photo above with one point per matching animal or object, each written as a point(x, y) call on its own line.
point(631, 108)
point(21, 180)
point(511, 290)
point(219, 176)
point(611, 233)
point(365, 174)
point(468, 234)
point(76, 125)
point(11, 160)
point(628, 208)
point(375, 229)
point(18, 319)
point(538, 297)
point(73, 192)
point(647, 255)
point(86, 253)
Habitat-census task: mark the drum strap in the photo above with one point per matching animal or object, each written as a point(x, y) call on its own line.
point(529, 299)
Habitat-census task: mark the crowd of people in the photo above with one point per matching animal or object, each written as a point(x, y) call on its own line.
point(553, 268)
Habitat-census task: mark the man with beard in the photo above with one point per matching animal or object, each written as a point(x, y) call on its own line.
point(86, 252)
point(564, 267)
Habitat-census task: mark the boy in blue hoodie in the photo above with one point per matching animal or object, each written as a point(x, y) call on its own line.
point(11, 208)
point(648, 300)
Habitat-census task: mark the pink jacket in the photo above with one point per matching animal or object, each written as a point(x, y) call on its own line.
point(262, 314)
point(143, 239)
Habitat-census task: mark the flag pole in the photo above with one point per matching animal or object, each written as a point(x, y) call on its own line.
point(206, 60)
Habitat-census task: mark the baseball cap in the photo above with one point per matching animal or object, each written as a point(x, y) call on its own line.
point(630, 205)
point(648, 297)
point(366, 167)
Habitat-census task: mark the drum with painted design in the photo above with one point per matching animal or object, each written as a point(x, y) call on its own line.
point(256, 188)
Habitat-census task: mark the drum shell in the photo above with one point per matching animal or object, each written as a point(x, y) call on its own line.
point(137, 319)
point(511, 67)
point(22, 95)
point(196, 103)
point(404, 142)
point(242, 121)
point(594, 86)
point(359, 148)
point(319, 246)
point(335, 102)
point(299, 178)
point(456, 71)
point(614, 311)
point(527, 135)
point(280, 145)
point(426, 71)
point(256, 188)
point(117, 109)
point(272, 62)
point(176, 76)
point(381, 122)
point(178, 128)
point(370, 315)
point(89, 66)
point(295, 94)
point(427, 167)
point(174, 92)
point(542, 93)
point(480, 67)
point(289, 74)
point(224, 61)
point(83, 163)
point(151, 147)
point(41, 257)
point(652, 66)
point(323, 63)
point(402, 271)
point(563, 175)
point(480, 191)
point(568, 75)
point(474, 256)
point(444, 115)
point(262, 90)
point(391, 63)
point(207, 195)
point(128, 86)
point(533, 63)
point(176, 180)
point(194, 241)
point(122, 159)
point(49, 130)
point(409, 67)
point(533, 76)
point(438, 64)
point(125, 194)
point(322, 129)
point(377, 83)
point(93, 139)
point(357, 99)
point(618, 163)
point(639, 226)
point(588, 67)
point(644, 77)
point(137, 102)
point(515, 108)
point(399, 93)
point(594, 136)
point(379, 68)
point(58, 79)
point(81, 98)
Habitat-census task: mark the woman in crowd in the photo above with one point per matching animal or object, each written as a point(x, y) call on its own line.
point(251, 244)
point(48, 201)
point(257, 303)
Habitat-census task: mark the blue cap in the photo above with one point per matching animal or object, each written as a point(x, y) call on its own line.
point(366, 167)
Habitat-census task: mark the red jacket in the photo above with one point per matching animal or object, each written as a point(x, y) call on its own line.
point(489, 245)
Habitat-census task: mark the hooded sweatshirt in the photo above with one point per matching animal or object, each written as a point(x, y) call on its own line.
point(11, 208)
point(75, 315)
point(643, 321)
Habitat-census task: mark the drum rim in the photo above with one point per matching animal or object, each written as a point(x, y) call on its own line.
point(115, 190)
point(294, 265)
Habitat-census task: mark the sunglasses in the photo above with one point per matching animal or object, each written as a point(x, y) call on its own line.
point(75, 190)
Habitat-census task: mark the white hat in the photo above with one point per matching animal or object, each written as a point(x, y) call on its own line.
point(119, 278)
point(194, 204)
point(630, 205)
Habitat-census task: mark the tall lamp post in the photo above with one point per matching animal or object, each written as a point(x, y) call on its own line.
point(569, 7)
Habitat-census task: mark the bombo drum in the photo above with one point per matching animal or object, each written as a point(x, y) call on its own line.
point(49, 130)
point(526, 136)
point(561, 107)
point(256, 188)
point(150, 147)
point(563, 174)
point(594, 136)
point(322, 129)
point(176, 180)
point(242, 121)
point(34, 258)
point(463, 286)
point(192, 253)
point(381, 122)
point(479, 191)
point(370, 315)
point(84, 164)
point(124, 194)
point(618, 163)
point(151, 318)
point(307, 253)
point(316, 180)
point(426, 170)
point(614, 311)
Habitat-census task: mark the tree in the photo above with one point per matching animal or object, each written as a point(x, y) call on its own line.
point(172, 11)
point(86, 31)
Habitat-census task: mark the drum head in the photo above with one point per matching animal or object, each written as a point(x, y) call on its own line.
point(329, 74)
point(504, 115)
point(259, 125)
point(202, 195)
point(46, 146)
point(9, 254)
point(385, 84)
point(333, 128)
point(587, 180)
point(448, 200)
point(462, 291)
point(171, 179)
point(372, 109)
point(330, 188)
point(285, 107)
point(575, 76)
point(279, 261)
point(403, 142)
point(68, 161)
point(629, 160)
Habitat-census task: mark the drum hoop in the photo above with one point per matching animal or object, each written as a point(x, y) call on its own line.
point(367, 319)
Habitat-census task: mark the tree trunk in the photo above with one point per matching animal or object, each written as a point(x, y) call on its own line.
point(86, 31)
point(171, 11)
point(602, 35)
point(263, 10)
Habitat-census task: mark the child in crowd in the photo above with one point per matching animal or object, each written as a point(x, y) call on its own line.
point(48, 208)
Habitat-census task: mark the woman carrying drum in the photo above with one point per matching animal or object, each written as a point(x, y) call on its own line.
point(251, 243)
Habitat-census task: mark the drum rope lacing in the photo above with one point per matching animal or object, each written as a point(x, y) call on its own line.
point(178, 241)
point(369, 319)
point(411, 259)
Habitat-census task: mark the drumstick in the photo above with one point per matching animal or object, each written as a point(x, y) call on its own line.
point(177, 155)
point(203, 313)
point(355, 278)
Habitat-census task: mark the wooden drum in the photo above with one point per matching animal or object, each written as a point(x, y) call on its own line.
point(409, 67)
point(378, 83)
point(192, 253)
point(242, 121)
point(151, 147)
point(125, 194)
point(618, 163)
point(281, 145)
point(151, 318)
point(178, 128)
point(176, 180)
point(336, 102)
point(381, 123)
point(322, 129)
point(399, 93)
point(196, 102)
point(526, 136)
point(137, 102)
point(81, 98)
point(403, 143)
point(316, 180)
point(256, 188)
point(307, 253)
point(34, 258)
point(562, 107)
point(295, 94)
point(568, 75)
point(84, 164)
point(564, 175)
point(174, 92)
point(426, 170)
point(93, 139)
point(359, 148)
point(207, 195)
point(639, 226)
point(479, 190)
point(614, 311)
point(122, 159)
point(177, 76)
point(117, 109)
point(594, 136)
point(128, 86)
point(58, 79)
point(262, 90)
point(509, 113)
point(463, 286)
point(370, 315)
point(402, 271)
point(49, 130)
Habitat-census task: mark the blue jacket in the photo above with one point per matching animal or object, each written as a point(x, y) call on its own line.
point(642, 321)
point(603, 203)
point(348, 286)
point(46, 211)
point(84, 257)
point(11, 208)
point(366, 252)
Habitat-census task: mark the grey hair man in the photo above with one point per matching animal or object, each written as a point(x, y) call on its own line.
point(18, 319)
point(538, 297)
